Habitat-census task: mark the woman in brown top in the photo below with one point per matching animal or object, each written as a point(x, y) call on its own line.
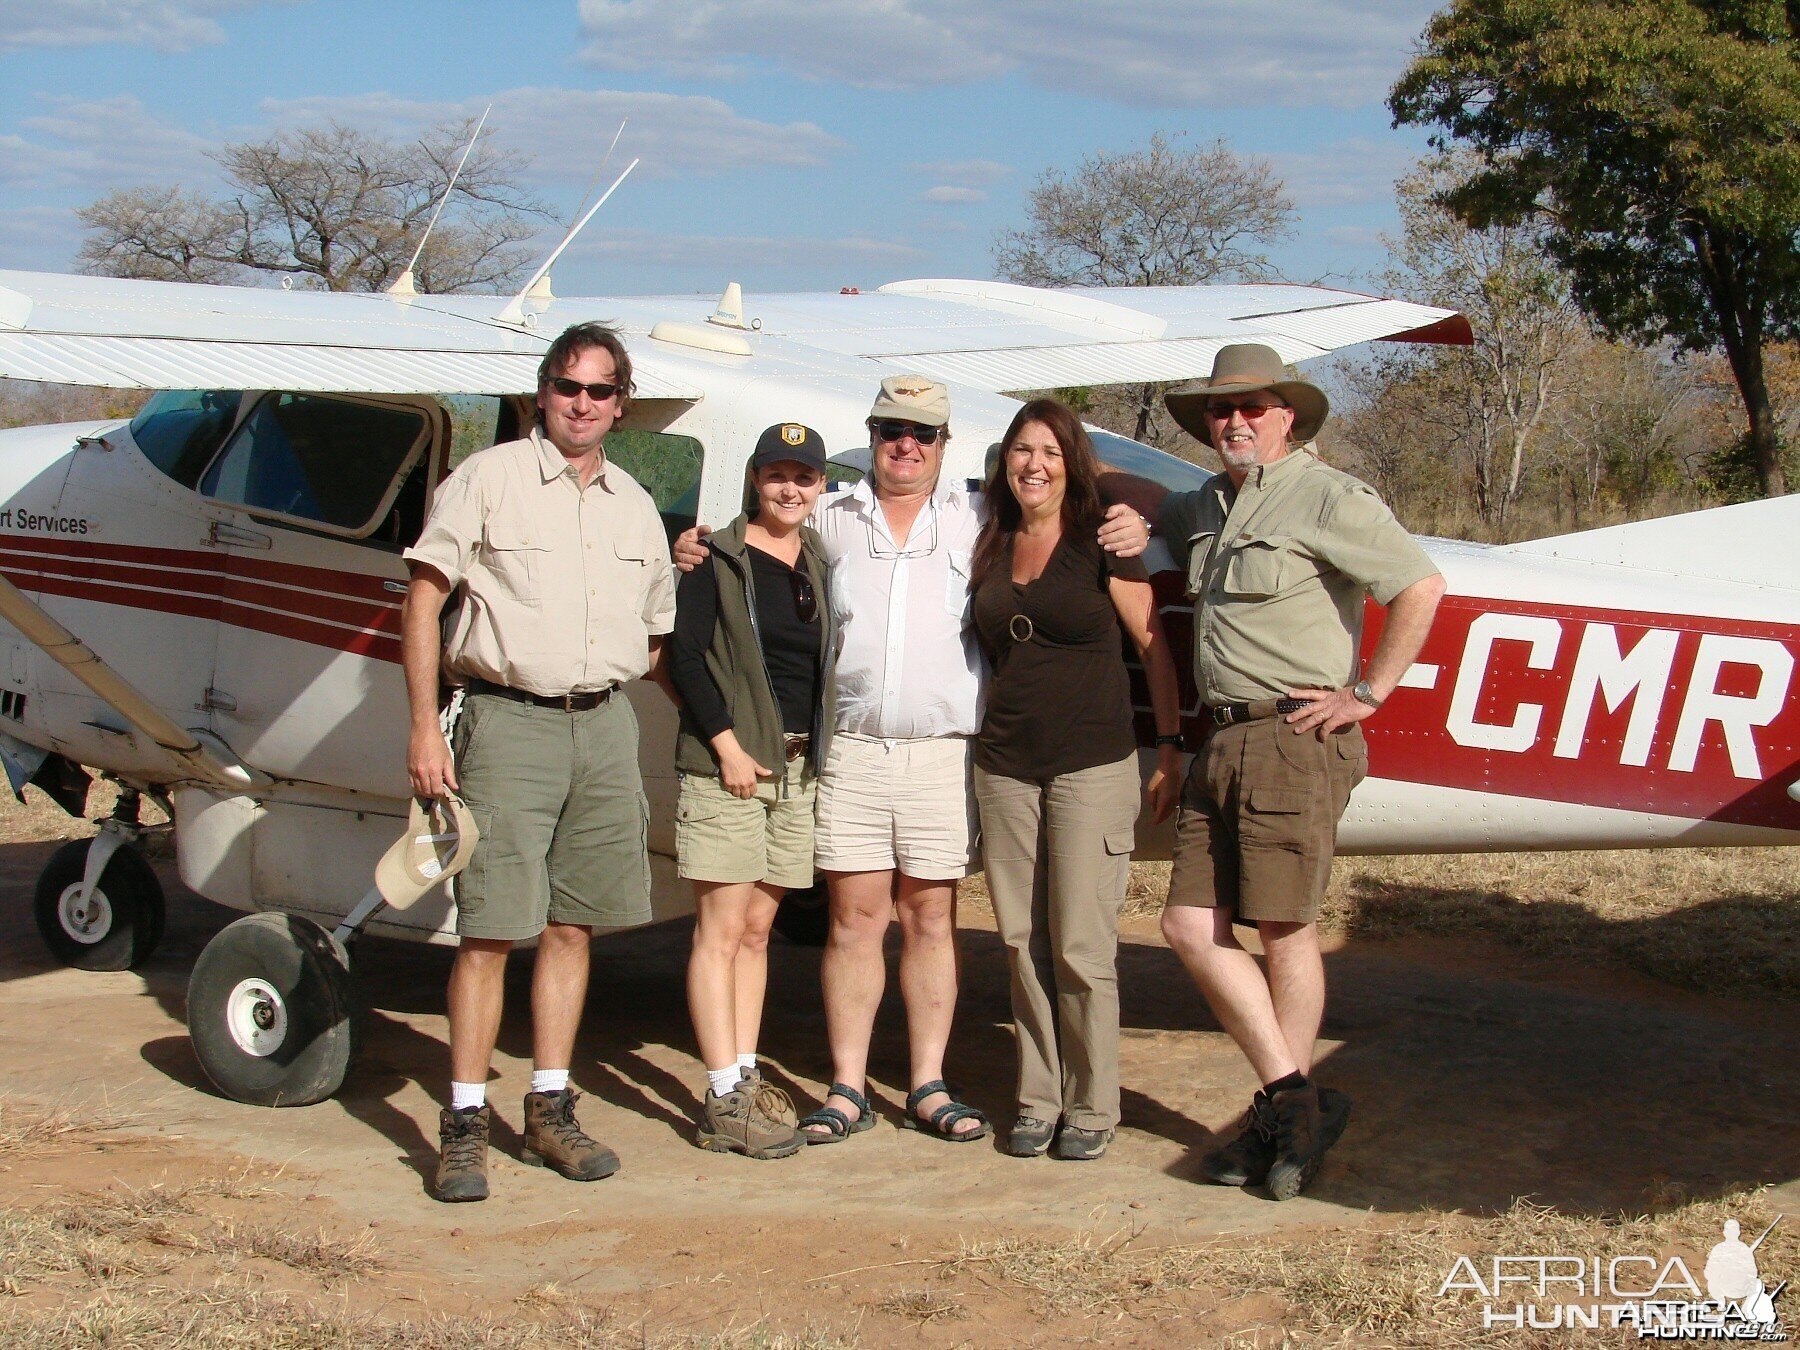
point(1056, 768)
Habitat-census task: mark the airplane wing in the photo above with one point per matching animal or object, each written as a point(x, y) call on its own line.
point(976, 334)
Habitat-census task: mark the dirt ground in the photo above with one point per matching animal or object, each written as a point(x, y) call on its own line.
point(1480, 1076)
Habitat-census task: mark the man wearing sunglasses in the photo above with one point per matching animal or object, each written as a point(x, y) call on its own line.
point(896, 813)
point(561, 574)
point(1280, 552)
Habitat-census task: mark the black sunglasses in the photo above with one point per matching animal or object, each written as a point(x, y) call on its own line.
point(893, 431)
point(569, 388)
point(806, 603)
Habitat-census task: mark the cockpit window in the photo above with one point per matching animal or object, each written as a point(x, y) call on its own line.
point(179, 430)
point(328, 461)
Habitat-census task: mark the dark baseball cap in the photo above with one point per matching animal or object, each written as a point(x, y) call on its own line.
point(789, 441)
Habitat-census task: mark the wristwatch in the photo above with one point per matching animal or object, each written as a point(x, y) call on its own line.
point(1173, 738)
point(1362, 693)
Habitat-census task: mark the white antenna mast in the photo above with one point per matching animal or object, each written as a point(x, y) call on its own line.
point(403, 284)
point(514, 313)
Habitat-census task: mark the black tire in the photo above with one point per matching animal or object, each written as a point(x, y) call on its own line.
point(272, 1011)
point(120, 924)
point(804, 917)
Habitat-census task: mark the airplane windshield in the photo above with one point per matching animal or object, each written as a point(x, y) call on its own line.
point(1134, 457)
point(179, 430)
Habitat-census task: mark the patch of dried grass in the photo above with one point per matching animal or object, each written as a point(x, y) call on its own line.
point(921, 1306)
point(31, 1129)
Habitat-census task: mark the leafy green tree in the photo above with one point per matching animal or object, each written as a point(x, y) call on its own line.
point(1659, 143)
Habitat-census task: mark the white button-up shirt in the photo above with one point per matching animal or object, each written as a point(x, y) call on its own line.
point(908, 664)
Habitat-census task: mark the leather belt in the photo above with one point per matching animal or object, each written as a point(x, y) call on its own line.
point(1230, 714)
point(572, 703)
point(794, 746)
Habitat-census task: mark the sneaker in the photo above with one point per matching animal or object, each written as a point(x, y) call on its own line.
point(462, 1155)
point(554, 1139)
point(770, 1100)
point(738, 1123)
point(1302, 1134)
point(1030, 1137)
point(1244, 1160)
point(1074, 1144)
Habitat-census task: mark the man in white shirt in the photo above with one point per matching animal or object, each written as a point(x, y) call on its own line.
point(896, 824)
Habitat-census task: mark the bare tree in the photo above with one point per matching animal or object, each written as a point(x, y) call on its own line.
point(1164, 215)
point(1490, 398)
point(340, 208)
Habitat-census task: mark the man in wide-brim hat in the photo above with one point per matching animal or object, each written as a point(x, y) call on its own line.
point(1280, 553)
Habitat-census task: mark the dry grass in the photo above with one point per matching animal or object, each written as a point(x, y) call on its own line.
point(921, 1306)
point(30, 1129)
point(1376, 1283)
point(1721, 920)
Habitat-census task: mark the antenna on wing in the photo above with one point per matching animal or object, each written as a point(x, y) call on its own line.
point(514, 313)
point(403, 284)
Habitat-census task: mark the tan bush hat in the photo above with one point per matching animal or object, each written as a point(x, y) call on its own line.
point(440, 836)
point(1244, 368)
point(912, 398)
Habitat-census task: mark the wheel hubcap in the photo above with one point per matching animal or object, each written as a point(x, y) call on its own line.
point(86, 921)
point(257, 1017)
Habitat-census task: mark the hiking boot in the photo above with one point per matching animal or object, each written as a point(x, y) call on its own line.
point(739, 1123)
point(1074, 1144)
point(462, 1155)
point(554, 1139)
point(1245, 1159)
point(1301, 1139)
point(770, 1100)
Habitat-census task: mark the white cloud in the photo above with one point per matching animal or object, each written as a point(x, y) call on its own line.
point(944, 194)
point(566, 131)
point(37, 238)
point(743, 252)
point(97, 145)
point(166, 25)
point(1347, 173)
point(975, 172)
point(1143, 52)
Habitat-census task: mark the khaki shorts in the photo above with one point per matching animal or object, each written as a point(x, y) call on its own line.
point(899, 804)
point(1258, 821)
point(768, 837)
point(563, 818)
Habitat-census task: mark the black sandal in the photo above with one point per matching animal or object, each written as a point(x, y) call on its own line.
point(841, 1127)
point(944, 1120)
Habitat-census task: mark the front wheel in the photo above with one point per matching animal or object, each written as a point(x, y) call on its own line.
point(115, 926)
point(271, 1011)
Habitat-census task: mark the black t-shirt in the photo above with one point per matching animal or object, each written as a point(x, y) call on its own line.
point(790, 646)
point(1059, 700)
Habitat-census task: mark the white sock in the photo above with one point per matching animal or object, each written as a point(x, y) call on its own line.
point(549, 1080)
point(465, 1095)
point(747, 1063)
point(724, 1080)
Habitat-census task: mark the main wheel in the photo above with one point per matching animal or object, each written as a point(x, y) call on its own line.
point(116, 926)
point(271, 1011)
point(804, 917)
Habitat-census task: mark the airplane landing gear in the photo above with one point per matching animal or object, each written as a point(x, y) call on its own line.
point(272, 1011)
point(98, 904)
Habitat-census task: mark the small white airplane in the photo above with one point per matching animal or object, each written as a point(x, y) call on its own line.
point(203, 602)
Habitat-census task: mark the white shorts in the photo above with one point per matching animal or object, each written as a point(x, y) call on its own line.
point(900, 804)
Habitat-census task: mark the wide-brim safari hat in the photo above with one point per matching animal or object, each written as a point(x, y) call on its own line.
point(1245, 368)
point(440, 836)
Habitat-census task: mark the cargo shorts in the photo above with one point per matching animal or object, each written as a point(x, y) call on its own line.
point(1257, 825)
point(563, 817)
point(768, 837)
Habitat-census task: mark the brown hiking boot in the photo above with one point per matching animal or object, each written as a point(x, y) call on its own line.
point(741, 1122)
point(771, 1100)
point(1244, 1160)
point(1301, 1139)
point(462, 1155)
point(554, 1139)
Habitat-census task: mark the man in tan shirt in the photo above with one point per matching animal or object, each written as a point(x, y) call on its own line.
point(1280, 552)
point(561, 572)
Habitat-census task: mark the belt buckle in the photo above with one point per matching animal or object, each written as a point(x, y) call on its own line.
point(1223, 715)
point(794, 747)
point(568, 701)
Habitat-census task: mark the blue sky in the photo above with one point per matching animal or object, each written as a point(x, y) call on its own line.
point(787, 144)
